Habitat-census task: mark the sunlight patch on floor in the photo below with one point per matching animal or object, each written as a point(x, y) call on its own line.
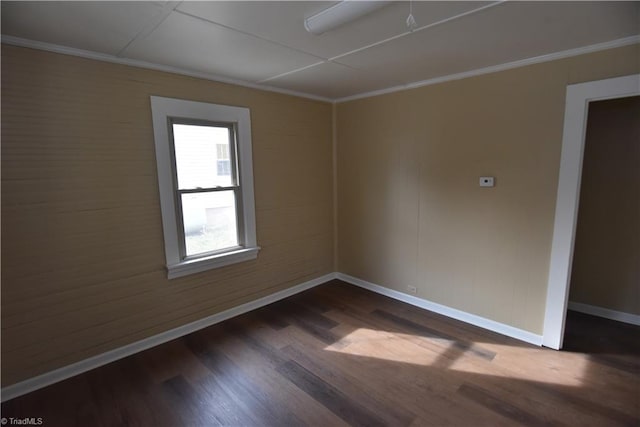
point(386, 346)
point(561, 368)
point(445, 354)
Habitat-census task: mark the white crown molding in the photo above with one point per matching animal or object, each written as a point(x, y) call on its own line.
point(496, 68)
point(607, 313)
point(17, 41)
point(85, 365)
point(453, 313)
point(64, 50)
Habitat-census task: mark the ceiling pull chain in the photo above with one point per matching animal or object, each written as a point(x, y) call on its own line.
point(411, 21)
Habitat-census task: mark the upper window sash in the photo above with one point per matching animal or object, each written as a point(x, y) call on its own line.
point(231, 146)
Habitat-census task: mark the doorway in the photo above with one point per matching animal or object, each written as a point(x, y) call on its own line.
point(605, 274)
point(578, 98)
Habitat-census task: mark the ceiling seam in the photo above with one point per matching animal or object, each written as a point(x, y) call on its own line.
point(151, 25)
point(424, 27)
point(250, 35)
point(286, 73)
point(334, 59)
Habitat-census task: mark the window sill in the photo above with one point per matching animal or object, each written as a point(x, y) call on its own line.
point(209, 263)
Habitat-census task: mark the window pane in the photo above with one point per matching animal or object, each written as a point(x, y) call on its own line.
point(224, 167)
point(209, 221)
point(198, 152)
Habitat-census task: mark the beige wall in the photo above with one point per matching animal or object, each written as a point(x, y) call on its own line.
point(410, 211)
point(606, 262)
point(82, 246)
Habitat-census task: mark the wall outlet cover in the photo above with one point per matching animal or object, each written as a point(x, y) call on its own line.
point(487, 181)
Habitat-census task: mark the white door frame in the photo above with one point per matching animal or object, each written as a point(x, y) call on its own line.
point(564, 229)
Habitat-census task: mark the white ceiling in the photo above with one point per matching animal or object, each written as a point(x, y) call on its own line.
point(265, 43)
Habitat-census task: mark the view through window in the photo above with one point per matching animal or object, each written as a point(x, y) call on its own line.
point(206, 186)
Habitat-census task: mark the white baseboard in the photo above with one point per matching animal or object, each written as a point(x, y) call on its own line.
point(85, 365)
point(607, 313)
point(463, 316)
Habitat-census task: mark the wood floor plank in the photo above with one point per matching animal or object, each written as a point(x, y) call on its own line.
point(603, 409)
point(244, 390)
point(392, 413)
point(350, 297)
point(346, 407)
point(124, 395)
point(259, 360)
point(443, 348)
point(340, 355)
point(170, 360)
point(399, 384)
point(191, 404)
point(432, 333)
point(314, 324)
point(269, 317)
point(500, 406)
point(227, 409)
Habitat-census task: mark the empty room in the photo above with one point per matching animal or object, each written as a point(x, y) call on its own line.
point(286, 213)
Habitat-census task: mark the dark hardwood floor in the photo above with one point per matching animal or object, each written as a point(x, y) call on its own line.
point(340, 355)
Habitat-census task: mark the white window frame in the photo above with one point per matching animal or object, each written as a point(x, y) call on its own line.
point(165, 109)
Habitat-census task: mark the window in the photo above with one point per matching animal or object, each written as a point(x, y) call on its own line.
point(205, 176)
